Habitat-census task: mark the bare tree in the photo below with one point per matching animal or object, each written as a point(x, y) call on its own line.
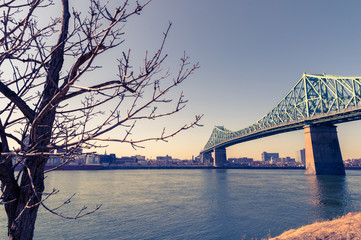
point(49, 102)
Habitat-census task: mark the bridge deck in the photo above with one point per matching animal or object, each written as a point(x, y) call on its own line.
point(346, 115)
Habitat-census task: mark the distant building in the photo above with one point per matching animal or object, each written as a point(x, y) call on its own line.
point(241, 161)
point(139, 158)
point(92, 159)
point(206, 159)
point(164, 160)
point(72, 151)
point(301, 156)
point(355, 162)
point(288, 161)
point(107, 159)
point(198, 158)
point(268, 156)
point(275, 161)
point(71, 156)
point(126, 160)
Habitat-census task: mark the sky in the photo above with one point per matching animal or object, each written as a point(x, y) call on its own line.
point(251, 53)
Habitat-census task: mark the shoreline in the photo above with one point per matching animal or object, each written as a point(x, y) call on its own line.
point(100, 167)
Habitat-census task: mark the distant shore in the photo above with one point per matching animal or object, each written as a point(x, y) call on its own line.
point(101, 167)
point(197, 167)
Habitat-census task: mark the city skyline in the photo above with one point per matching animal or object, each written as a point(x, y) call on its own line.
point(251, 54)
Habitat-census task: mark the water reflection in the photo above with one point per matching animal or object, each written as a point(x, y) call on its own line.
point(216, 209)
point(217, 188)
point(221, 187)
point(330, 196)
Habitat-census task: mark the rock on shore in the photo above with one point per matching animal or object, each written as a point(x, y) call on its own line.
point(346, 228)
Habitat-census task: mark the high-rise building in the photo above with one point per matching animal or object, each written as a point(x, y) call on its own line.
point(301, 156)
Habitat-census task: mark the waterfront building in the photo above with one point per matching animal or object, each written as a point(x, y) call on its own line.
point(288, 161)
point(126, 160)
point(207, 159)
point(261, 163)
point(107, 159)
point(275, 161)
point(355, 162)
point(268, 156)
point(92, 159)
point(198, 159)
point(139, 158)
point(164, 160)
point(241, 161)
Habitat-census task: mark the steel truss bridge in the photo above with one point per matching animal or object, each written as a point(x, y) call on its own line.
point(316, 99)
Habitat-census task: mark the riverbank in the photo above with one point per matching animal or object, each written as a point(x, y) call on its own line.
point(347, 227)
point(195, 167)
point(101, 167)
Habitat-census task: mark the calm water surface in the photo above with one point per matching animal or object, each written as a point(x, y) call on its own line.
point(193, 204)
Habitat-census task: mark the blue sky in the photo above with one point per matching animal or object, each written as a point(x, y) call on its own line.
point(251, 54)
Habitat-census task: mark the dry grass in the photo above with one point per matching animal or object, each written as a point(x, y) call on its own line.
point(346, 228)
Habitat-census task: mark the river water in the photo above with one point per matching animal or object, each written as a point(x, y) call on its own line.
point(192, 204)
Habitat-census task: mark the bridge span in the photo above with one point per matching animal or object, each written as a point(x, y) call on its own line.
point(315, 104)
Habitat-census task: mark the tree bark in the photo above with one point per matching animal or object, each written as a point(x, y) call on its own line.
point(10, 190)
point(22, 228)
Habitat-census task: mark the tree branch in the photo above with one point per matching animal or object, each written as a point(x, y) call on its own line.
point(24, 108)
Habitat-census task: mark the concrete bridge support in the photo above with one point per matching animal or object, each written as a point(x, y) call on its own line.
point(220, 157)
point(323, 153)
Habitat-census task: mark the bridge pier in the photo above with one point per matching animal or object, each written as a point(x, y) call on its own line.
point(323, 153)
point(220, 157)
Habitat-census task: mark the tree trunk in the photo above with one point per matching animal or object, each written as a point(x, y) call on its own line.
point(9, 188)
point(32, 182)
point(22, 227)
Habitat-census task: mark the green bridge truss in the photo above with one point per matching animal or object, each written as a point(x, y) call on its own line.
point(314, 99)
